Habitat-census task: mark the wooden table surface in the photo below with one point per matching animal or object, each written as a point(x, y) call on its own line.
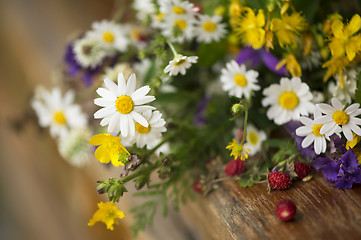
point(43, 197)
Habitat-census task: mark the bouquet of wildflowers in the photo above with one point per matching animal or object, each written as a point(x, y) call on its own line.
point(185, 95)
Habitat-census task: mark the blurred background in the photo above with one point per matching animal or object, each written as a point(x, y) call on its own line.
point(41, 195)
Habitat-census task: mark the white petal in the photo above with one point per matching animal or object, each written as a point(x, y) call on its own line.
point(114, 122)
point(143, 108)
point(336, 103)
point(104, 112)
point(318, 145)
point(105, 93)
point(324, 145)
point(308, 141)
point(325, 108)
point(122, 86)
point(353, 107)
point(323, 119)
point(303, 131)
point(325, 129)
point(131, 84)
point(140, 92)
point(139, 118)
point(131, 125)
point(347, 132)
point(356, 129)
point(144, 100)
point(104, 102)
point(123, 125)
point(112, 86)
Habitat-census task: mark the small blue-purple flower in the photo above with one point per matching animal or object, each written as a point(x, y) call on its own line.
point(344, 171)
point(255, 56)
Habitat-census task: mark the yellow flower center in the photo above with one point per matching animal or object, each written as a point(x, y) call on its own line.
point(288, 100)
point(316, 130)
point(160, 16)
point(253, 138)
point(141, 129)
point(59, 118)
point(209, 26)
point(108, 37)
point(180, 62)
point(340, 117)
point(182, 24)
point(178, 10)
point(124, 104)
point(240, 80)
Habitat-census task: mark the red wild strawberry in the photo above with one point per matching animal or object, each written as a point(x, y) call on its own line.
point(279, 180)
point(197, 187)
point(286, 209)
point(302, 169)
point(235, 167)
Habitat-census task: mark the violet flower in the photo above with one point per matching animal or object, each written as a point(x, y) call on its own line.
point(74, 67)
point(255, 56)
point(199, 118)
point(344, 171)
point(308, 152)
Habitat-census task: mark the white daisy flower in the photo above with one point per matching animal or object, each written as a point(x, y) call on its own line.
point(254, 139)
point(88, 52)
point(311, 132)
point(288, 100)
point(178, 29)
point(110, 34)
point(122, 105)
point(210, 29)
point(179, 65)
point(177, 8)
point(337, 115)
point(237, 81)
point(144, 8)
point(57, 112)
point(149, 136)
point(75, 148)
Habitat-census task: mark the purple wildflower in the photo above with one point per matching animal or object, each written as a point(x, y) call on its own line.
point(74, 68)
point(255, 56)
point(199, 118)
point(344, 171)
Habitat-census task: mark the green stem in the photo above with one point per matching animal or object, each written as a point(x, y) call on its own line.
point(172, 48)
point(246, 119)
point(145, 170)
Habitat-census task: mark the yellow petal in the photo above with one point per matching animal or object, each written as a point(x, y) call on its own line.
point(260, 18)
point(280, 64)
point(337, 48)
point(276, 24)
point(337, 29)
point(354, 25)
point(114, 157)
point(99, 139)
point(352, 47)
point(102, 154)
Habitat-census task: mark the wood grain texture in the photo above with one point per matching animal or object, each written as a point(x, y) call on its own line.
point(323, 212)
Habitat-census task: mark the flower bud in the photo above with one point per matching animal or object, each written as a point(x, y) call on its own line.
point(237, 108)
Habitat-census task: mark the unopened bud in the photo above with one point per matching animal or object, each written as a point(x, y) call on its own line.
point(237, 108)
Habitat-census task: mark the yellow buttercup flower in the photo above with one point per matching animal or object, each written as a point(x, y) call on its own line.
point(328, 23)
point(288, 28)
point(352, 144)
point(237, 150)
point(107, 213)
point(345, 41)
point(235, 8)
point(110, 149)
point(292, 65)
point(250, 27)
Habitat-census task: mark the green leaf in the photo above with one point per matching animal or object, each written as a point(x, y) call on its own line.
point(358, 89)
point(246, 181)
point(258, 4)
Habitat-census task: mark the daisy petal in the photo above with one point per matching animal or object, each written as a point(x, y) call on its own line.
point(307, 141)
point(139, 118)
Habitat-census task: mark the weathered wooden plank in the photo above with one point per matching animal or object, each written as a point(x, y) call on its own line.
point(232, 212)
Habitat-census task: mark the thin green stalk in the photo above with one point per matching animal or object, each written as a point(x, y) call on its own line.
point(246, 119)
point(142, 171)
point(172, 48)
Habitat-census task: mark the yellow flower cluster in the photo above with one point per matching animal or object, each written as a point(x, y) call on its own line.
point(107, 213)
point(237, 150)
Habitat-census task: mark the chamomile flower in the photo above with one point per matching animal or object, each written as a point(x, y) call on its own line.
point(347, 93)
point(289, 99)
point(210, 28)
point(58, 112)
point(122, 105)
point(74, 146)
point(237, 81)
point(177, 8)
point(149, 136)
point(179, 65)
point(110, 34)
point(311, 131)
point(178, 29)
point(337, 115)
point(254, 140)
point(88, 52)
